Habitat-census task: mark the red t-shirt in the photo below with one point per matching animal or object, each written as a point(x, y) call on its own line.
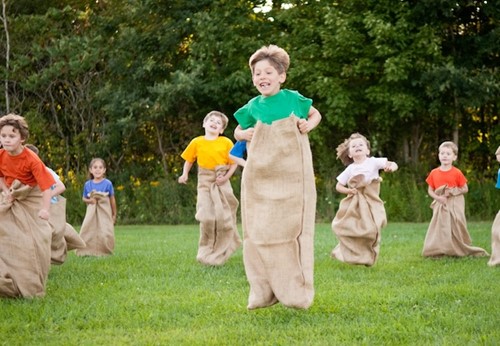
point(451, 178)
point(25, 167)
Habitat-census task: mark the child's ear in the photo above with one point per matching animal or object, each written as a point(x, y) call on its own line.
point(282, 77)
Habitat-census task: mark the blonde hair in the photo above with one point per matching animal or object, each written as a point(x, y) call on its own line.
point(222, 116)
point(277, 57)
point(16, 121)
point(343, 149)
point(450, 145)
point(94, 160)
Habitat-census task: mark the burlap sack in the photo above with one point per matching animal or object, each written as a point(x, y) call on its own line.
point(24, 244)
point(72, 238)
point(62, 232)
point(98, 230)
point(216, 212)
point(278, 199)
point(447, 234)
point(358, 223)
point(495, 242)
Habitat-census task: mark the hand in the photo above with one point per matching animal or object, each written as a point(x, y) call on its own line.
point(8, 197)
point(442, 199)
point(43, 214)
point(390, 167)
point(303, 126)
point(182, 179)
point(220, 180)
point(248, 134)
point(352, 191)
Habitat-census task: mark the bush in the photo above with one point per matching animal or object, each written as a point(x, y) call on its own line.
point(164, 201)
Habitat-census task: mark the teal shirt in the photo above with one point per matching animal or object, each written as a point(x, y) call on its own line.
point(498, 180)
point(268, 109)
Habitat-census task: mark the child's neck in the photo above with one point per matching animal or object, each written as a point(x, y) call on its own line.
point(359, 159)
point(211, 136)
point(445, 167)
point(98, 180)
point(17, 151)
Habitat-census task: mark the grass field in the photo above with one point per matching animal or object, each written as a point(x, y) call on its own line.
point(153, 292)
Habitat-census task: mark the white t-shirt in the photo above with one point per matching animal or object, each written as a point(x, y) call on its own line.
point(369, 168)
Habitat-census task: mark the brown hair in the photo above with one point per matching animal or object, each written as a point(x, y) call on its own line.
point(221, 115)
point(343, 149)
point(451, 145)
point(277, 57)
point(16, 121)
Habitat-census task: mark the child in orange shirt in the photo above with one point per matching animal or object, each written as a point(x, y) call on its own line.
point(25, 234)
point(447, 234)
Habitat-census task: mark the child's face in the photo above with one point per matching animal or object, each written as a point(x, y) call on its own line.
point(98, 170)
point(214, 125)
point(358, 149)
point(266, 78)
point(11, 140)
point(446, 156)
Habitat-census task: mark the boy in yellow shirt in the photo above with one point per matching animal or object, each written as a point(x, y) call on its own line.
point(216, 204)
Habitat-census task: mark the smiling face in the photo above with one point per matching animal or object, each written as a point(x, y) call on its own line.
point(11, 140)
point(97, 169)
point(358, 149)
point(213, 125)
point(266, 78)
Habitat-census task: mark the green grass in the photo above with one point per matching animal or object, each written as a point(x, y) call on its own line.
point(153, 292)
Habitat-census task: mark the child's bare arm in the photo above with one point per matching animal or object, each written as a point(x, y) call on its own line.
point(243, 135)
point(435, 196)
point(58, 189)
point(240, 161)
point(459, 190)
point(44, 211)
point(221, 179)
point(185, 172)
point(3, 185)
point(391, 166)
point(345, 190)
point(112, 202)
point(313, 119)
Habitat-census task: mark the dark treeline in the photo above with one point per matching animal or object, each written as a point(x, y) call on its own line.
point(131, 81)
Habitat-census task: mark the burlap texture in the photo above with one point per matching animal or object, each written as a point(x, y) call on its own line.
point(72, 238)
point(24, 244)
point(495, 242)
point(358, 223)
point(61, 233)
point(447, 234)
point(278, 198)
point(98, 231)
point(216, 212)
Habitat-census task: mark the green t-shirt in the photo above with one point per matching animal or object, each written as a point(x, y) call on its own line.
point(268, 109)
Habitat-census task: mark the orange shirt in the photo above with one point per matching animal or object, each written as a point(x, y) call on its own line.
point(25, 167)
point(451, 178)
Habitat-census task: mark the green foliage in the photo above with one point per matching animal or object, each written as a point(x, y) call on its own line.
point(130, 81)
point(153, 292)
point(164, 201)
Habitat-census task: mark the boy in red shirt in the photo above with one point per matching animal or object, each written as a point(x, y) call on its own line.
point(447, 234)
point(25, 234)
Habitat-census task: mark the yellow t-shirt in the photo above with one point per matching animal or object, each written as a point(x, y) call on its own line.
point(209, 153)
